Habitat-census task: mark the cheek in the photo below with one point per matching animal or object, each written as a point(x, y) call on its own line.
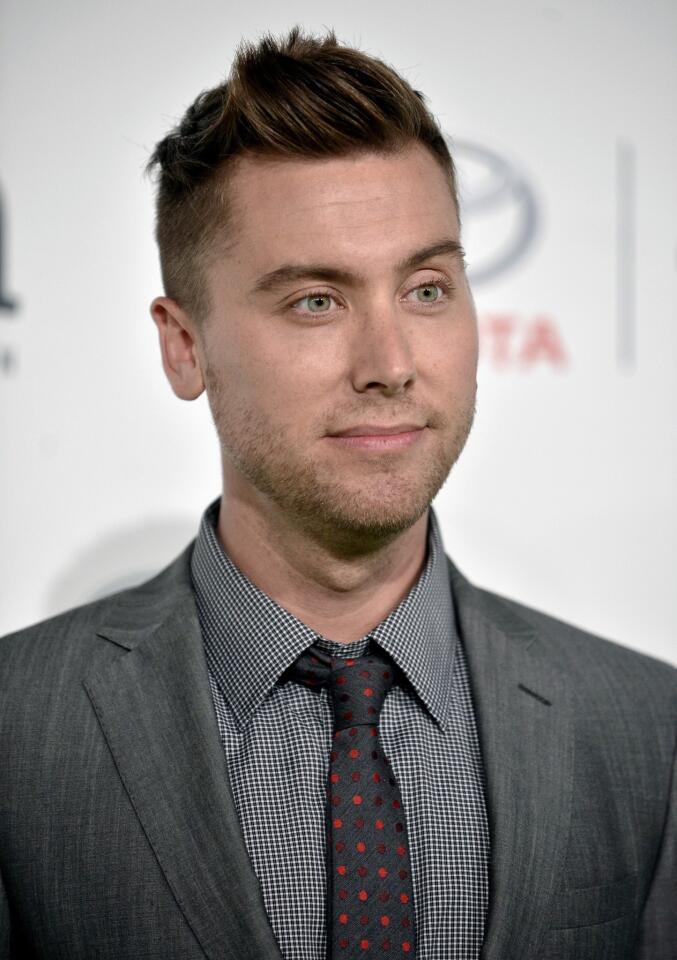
point(284, 380)
point(465, 355)
point(451, 359)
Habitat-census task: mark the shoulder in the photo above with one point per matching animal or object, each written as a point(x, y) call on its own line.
point(71, 639)
point(568, 639)
point(602, 674)
point(599, 668)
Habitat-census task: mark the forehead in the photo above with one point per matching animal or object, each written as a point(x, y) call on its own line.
point(380, 203)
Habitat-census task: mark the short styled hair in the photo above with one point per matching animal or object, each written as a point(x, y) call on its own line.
point(292, 97)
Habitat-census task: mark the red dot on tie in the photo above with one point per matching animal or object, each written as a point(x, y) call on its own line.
point(336, 801)
point(380, 824)
point(359, 823)
point(374, 732)
point(396, 804)
point(362, 871)
point(363, 895)
point(354, 753)
point(404, 898)
point(386, 674)
point(348, 716)
point(368, 692)
point(340, 846)
point(386, 944)
point(384, 896)
point(406, 922)
point(352, 731)
point(343, 894)
point(356, 775)
point(340, 680)
point(403, 874)
point(338, 823)
point(364, 920)
point(343, 942)
point(401, 850)
point(376, 777)
point(381, 847)
point(385, 921)
point(382, 872)
point(357, 799)
point(361, 846)
point(334, 778)
point(365, 674)
point(364, 944)
point(350, 663)
point(341, 870)
point(343, 918)
point(406, 946)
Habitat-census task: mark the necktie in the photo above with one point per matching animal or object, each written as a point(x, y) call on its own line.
point(371, 907)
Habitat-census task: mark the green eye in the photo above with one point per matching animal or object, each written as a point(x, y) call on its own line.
point(318, 303)
point(428, 293)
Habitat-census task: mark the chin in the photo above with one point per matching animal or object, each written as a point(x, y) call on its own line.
point(377, 522)
point(355, 516)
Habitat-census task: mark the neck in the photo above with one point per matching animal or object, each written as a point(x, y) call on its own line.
point(340, 596)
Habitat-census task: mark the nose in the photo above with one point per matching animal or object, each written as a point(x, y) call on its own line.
point(383, 359)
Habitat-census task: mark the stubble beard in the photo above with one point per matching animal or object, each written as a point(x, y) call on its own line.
point(373, 504)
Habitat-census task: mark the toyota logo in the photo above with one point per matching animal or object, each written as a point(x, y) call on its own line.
point(499, 210)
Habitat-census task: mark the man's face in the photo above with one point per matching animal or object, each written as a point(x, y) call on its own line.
point(364, 330)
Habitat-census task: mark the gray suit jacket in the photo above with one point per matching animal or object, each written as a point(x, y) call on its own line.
point(119, 838)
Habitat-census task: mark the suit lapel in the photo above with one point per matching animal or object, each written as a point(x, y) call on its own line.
point(155, 709)
point(524, 719)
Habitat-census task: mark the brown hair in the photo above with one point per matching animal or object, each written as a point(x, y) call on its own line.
point(297, 96)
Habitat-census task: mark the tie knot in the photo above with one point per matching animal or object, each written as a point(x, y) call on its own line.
point(357, 685)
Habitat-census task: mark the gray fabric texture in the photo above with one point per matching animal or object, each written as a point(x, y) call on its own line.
point(119, 836)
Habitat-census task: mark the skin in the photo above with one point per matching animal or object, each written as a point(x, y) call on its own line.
point(334, 532)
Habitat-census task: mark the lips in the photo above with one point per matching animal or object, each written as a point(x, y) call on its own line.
point(378, 430)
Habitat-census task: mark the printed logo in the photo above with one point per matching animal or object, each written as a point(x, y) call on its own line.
point(499, 211)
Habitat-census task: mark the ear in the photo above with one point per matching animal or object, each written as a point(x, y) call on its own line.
point(180, 358)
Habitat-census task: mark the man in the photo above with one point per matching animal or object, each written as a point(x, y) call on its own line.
point(310, 735)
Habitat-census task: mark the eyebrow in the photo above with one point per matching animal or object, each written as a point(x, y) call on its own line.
point(292, 272)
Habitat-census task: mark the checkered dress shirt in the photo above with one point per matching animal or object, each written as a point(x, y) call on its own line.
point(277, 738)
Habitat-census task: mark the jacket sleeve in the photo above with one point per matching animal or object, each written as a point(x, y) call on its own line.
point(657, 939)
point(5, 925)
point(12, 946)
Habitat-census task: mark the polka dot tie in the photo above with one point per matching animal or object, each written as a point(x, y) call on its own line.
point(371, 909)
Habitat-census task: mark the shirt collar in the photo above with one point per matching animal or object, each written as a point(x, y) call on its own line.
point(250, 640)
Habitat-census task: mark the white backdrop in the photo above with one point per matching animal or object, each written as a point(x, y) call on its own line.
point(562, 118)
